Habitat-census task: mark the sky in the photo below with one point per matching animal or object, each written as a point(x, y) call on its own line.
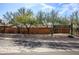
point(62, 8)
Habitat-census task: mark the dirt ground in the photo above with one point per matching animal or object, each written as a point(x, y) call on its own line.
point(38, 44)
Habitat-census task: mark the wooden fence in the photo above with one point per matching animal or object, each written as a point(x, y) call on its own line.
point(36, 30)
point(61, 28)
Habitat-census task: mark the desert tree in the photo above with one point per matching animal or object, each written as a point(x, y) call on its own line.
point(21, 16)
point(53, 19)
point(74, 21)
point(40, 17)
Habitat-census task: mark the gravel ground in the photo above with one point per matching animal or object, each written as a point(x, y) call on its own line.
point(38, 44)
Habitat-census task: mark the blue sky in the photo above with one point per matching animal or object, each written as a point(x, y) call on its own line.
point(62, 8)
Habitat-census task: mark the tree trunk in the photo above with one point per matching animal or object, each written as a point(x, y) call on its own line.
point(27, 29)
point(52, 30)
point(4, 27)
point(71, 28)
point(18, 29)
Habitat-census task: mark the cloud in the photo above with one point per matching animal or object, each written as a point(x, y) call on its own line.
point(67, 9)
point(39, 6)
point(30, 5)
point(46, 7)
point(62, 8)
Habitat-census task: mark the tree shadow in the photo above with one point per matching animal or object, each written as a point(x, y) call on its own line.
point(29, 44)
point(64, 46)
point(52, 45)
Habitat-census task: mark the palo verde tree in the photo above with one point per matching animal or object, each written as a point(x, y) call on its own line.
point(71, 22)
point(74, 21)
point(63, 20)
point(22, 16)
point(26, 17)
point(40, 17)
point(53, 19)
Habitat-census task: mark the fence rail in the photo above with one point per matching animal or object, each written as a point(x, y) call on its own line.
point(36, 30)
